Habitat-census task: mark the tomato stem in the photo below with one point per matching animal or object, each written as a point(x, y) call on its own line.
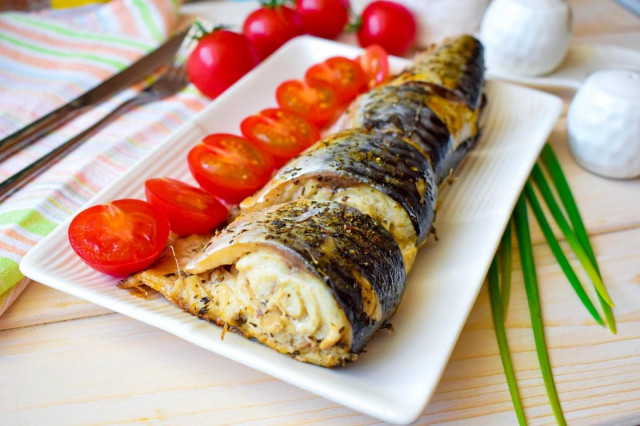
point(204, 32)
point(354, 24)
point(275, 3)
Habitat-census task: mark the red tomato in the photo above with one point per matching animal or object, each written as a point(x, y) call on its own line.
point(229, 167)
point(270, 27)
point(374, 63)
point(315, 101)
point(219, 60)
point(388, 24)
point(190, 210)
point(343, 74)
point(281, 134)
point(119, 238)
point(323, 18)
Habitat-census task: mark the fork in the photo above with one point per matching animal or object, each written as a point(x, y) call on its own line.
point(169, 83)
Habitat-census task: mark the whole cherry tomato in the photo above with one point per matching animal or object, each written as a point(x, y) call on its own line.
point(119, 238)
point(190, 210)
point(282, 134)
point(220, 58)
point(271, 26)
point(343, 74)
point(323, 18)
point(389, 24)
point(229, 167)
point(316, 101)
point(374, 63)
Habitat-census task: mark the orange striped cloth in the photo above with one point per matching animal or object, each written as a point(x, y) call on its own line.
point(49, 58)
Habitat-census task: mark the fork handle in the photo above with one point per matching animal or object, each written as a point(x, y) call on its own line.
point(33, 170)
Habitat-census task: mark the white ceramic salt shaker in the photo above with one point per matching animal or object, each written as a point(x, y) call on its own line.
point(526, 37)
point(603, 124)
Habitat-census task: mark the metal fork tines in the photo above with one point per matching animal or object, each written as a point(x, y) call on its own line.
point(169, 83)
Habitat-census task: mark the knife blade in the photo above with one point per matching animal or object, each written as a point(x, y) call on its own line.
point(125, 78)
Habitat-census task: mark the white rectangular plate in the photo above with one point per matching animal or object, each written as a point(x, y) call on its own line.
point(396, 376)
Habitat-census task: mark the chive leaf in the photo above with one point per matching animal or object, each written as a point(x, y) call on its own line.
point(558, 253)
point(550, 160)
point(531, 286)
point(506, 267)
point(501, 336)
point(554, 208)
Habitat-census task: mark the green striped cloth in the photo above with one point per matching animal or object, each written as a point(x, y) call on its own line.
point(49, 58)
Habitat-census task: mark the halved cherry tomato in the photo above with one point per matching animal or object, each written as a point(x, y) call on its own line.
point(343, 74)
point(282, 134)
point(119, 238)
point(315, 101)
point(229, 167)
point(374, 62)
point(190, 210)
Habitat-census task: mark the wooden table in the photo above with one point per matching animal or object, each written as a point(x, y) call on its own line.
point(66, 361)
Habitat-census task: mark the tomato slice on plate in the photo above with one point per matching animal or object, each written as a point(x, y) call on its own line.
point(374, 62)
point(343, 74)
point(190, 210)
point(280, 133)
point(119, 238)
point(229, 167)
point(316, 101)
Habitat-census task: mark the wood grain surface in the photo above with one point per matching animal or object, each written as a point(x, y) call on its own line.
point(66, 361)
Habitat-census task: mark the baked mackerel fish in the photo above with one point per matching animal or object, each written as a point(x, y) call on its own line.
point(437, 103)
point(403, 139)
point(311, 279)
point(316, 262)
point(379, 174)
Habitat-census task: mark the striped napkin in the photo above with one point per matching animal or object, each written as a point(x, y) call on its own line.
point(49, 58)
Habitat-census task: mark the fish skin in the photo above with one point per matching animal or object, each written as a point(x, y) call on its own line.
point(349, 251)
point(403, 110)
point(455, 69)
point(383, 161)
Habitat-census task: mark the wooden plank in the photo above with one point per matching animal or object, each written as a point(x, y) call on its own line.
point(601, 17)
point(136, 373)
point(39, 304)
point(111, 369)
point(72, 362)
point(629, 40)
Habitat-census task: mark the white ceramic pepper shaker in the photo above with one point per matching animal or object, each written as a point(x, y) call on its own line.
point(603, 124)
point(526, 37)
